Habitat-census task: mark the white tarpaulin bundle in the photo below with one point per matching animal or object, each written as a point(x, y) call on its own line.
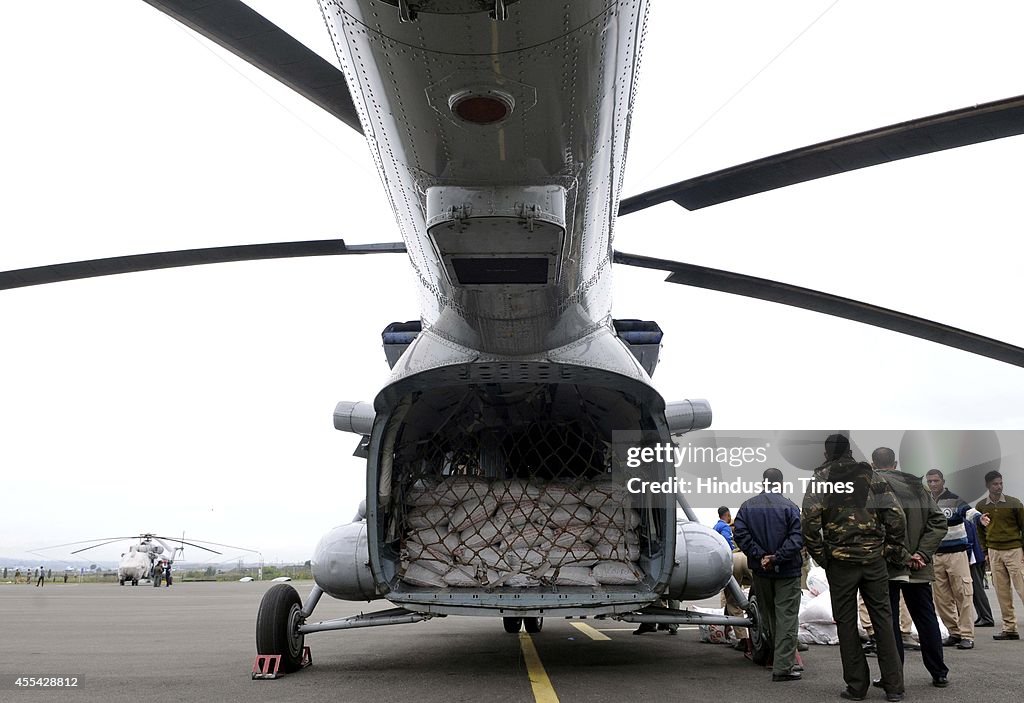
point(468, 532)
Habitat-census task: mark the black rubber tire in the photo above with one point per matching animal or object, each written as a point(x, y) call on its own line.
point(762, 650)
point(122, 581)
point(533, 625)
point(512, 625)
point(135, 582)
point(277, 615)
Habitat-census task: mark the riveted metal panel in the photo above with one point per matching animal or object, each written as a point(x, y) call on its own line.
point(567, 71)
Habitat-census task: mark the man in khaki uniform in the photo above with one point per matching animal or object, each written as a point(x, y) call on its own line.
point(954, 584)
point(1003, 542)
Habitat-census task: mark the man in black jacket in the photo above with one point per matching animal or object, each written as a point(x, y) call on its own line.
point(926, 528)
point(767, 529)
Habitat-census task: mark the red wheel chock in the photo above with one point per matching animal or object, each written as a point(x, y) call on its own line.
point(268, 666)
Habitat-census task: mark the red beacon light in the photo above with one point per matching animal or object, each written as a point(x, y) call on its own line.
point(481, 109)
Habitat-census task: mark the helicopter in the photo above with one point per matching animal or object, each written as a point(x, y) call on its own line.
point(147, 556)
point(514, 349)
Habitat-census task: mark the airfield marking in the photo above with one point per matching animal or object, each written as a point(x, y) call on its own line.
point(539, 681)
point(591, 632)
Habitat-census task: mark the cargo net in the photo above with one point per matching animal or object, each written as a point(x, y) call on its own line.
point(561, 521)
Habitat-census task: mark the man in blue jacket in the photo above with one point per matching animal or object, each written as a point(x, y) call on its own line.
point(767, 530)
point(724, 525)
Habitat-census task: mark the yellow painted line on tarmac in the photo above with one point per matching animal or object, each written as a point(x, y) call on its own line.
point(539, 681)
point(590, 632)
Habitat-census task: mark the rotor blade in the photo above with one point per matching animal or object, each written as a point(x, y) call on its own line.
point(55, 273)
point(198, 546)
point(85, 549)
point(816, 301)
point(948, 130)
point(215, 544)
point(255, 39)
point(107, 540)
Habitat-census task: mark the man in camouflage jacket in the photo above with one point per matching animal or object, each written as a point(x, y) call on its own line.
point(853, 526)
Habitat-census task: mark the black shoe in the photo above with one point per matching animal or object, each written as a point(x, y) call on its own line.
point(911, 645)
point(673, 630)
point(788, 676)
point(966, 644)
point(940, 682)
point(801, 647)
point(850, 695)
point(1004, 635)
point(644, 628)
point(952, 641)
point(877, 683)
point(984, 623)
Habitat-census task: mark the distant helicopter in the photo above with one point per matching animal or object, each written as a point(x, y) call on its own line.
point(145, 559)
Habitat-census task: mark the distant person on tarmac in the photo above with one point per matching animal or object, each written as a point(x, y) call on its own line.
point(167, 573)
point(42, 577)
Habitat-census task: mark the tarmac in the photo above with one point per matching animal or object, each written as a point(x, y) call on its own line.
point(196, 642)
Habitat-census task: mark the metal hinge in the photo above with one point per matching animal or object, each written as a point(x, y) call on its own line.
point(458, 214)
point(527, 215)
point(406, 12)
point(500, 11)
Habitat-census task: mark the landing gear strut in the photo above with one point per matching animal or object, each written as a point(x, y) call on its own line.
point(281, 628)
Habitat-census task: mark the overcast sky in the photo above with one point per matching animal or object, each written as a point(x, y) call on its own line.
point(200, 399)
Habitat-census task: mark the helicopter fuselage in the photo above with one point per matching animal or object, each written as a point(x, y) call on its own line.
point(501, 144)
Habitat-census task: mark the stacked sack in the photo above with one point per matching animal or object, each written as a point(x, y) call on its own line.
point(816, 623)
point(472, 532)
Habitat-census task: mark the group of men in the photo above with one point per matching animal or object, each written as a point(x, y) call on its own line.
point(881, 533)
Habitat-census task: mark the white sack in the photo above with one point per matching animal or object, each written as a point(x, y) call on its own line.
point(420, 576)
point(817, 582)
point(461, 577)
point(616, 573)
point(472, 512)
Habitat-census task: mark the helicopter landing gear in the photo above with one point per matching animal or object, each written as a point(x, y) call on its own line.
point(277, 627)
point(533, 625)
point(121, 581)
point(760, 636)
point(512, 625)
point(135, 582)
